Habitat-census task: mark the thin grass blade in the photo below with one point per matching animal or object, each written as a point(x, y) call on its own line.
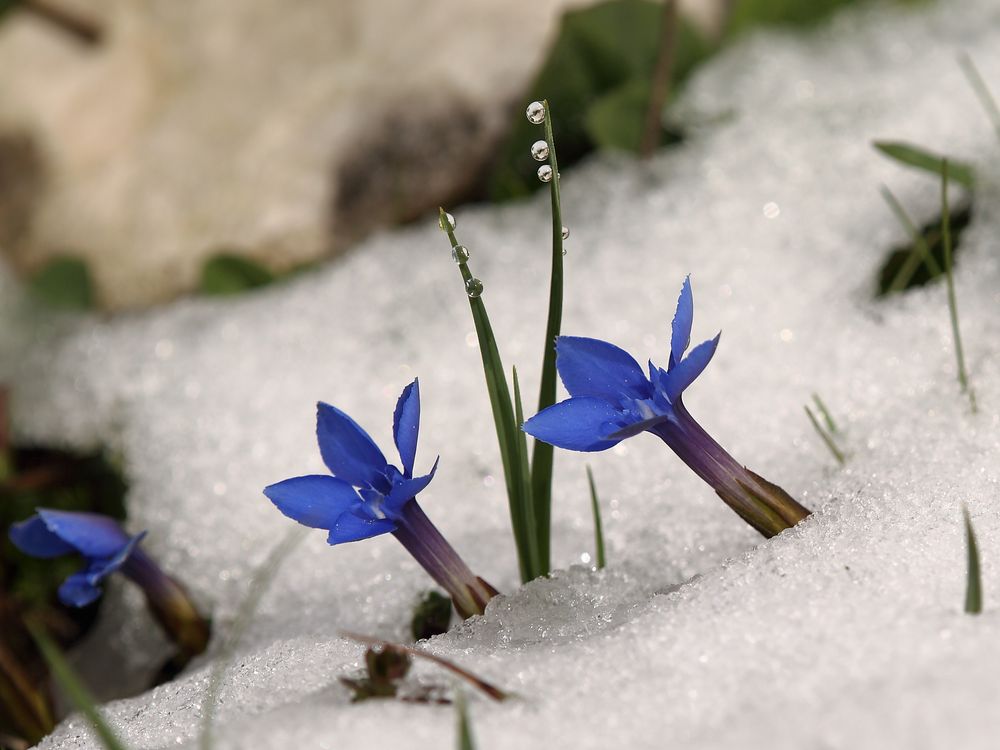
point(542, 453)
point(67, 679)
point(827, 417)
point(920, 158)
point(963, 377)
point(465, 739)
point(827, 440)
point(974, 581)
point(921, 252)
point(522, 451)
point(982, 90)
point(522, 512)
point(595, 507)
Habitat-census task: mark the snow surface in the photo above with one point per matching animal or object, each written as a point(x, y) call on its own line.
point(846, 632)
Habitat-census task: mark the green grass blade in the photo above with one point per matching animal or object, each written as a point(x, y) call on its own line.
point(258, 587)
point(595, 507)
point(982, 90)
point(522, 452)
point(515, 471)
point(827, 440)
point(465, 739)
point(920, 158)
point(74, 689)
point(921, 251)
point(542, 453)
point(827, 418)
point(963, 377)
point(974, 582)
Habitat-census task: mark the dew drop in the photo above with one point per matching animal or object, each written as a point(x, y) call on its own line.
point(539, 150)
point(565, 233)
point(460, 254)
point(473, 287)
point(565, 249)
point(450, 225)
point(535, 113)
point(545, 173)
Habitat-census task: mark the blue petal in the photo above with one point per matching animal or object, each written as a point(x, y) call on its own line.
point(636, 427)
point(352, 528)
point(347, 450)
point(680, 333)
point(316, 500)
point(685, 373)
point(405, 425)
point(33, 538)
point(408, 489)
point(101, 569)
point(78, 591)
point(590, 367)
point(91, 534)
point(577, 424)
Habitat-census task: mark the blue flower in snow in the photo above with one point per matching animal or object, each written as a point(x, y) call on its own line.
point(102, 542)
point(106, 548)
point(613, 399)
point(366, 496)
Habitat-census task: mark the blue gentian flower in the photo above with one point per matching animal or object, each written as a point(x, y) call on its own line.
point(106, 548)
point(613, 399)
point(367, 496)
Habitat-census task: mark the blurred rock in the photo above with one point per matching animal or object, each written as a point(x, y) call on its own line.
point(284, 130)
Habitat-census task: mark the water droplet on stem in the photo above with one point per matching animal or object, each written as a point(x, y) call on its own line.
point(539, 150)
point(473, 287)
point(535, 113)
point(545, 173)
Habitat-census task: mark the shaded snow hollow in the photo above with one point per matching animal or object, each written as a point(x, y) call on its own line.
point(846, 632)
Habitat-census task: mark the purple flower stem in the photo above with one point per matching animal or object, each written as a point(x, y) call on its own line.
point(763, 505)
point(469, 592)
point(170, 604)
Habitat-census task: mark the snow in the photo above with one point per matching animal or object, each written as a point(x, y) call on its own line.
point(845, 632)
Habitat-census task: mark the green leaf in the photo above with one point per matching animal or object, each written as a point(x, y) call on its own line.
point(974, 582)
point(920, 158)
point(598, 50)
point(595, 508)
point(542, 455)
point(78, 694)
point(516, 473)
point(64, 284)
point(231, 274)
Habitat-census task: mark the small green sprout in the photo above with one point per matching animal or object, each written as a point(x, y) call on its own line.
point(974, 583)
point(595, 507)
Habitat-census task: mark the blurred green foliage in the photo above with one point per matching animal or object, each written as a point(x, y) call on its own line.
point(227, 273)
point(597, 77)
point(64, 283)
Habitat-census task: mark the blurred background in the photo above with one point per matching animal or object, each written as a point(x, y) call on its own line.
point(156, 148)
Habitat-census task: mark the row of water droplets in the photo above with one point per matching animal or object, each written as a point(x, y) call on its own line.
point(540, 151)
point(535, 113)
point(460, 254)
